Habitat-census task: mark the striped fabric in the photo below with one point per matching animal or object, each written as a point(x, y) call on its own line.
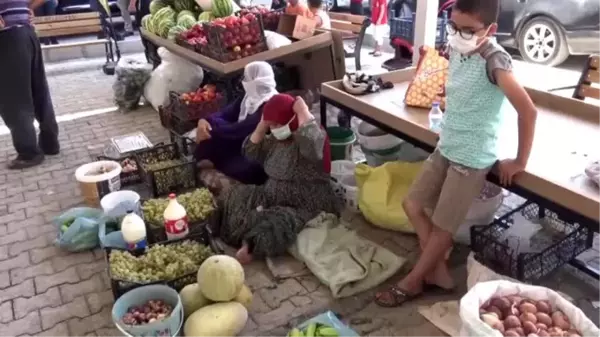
point(14, 12)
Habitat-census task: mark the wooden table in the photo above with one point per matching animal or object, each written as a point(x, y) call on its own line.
point(566, 139)
point(320, 58)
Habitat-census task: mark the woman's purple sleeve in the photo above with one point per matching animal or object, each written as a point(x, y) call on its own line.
point(237, 131)
point(227, 115)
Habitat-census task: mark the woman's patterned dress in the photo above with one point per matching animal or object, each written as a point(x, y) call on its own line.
point(269, 216)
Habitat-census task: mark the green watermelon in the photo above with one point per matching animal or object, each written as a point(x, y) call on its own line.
point(186, 21)
point(222, 8)
point(155, 5)
point(164, 27)
point(206, 17)
point(151, 25)
point(182, 5)
point(184, 12)
point(166, 13)
point(175, 31)
point(145, 21)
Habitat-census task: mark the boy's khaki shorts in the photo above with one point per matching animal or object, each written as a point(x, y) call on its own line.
point(448, 189)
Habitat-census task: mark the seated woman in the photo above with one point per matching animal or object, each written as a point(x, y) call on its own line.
point(220, 136)
point(265, 220)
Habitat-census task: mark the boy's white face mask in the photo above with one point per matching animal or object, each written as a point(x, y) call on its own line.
point(462, 45)
point(283, 132)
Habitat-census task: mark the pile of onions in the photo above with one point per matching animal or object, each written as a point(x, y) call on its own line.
point(516, 316)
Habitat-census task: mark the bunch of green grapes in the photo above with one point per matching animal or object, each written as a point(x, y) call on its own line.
point(198, 204)
point(159, 262)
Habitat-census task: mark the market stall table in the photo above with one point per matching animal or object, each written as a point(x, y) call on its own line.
point(320, 58)
point(566, 137)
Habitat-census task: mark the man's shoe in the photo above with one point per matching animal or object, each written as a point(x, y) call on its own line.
point(51, 152)
point(20, 163)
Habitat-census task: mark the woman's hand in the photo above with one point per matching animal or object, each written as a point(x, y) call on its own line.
point(301, 110)
point(259, 133)
point(203, 130)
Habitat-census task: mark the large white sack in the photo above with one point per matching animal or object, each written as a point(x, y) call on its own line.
point(173, 74)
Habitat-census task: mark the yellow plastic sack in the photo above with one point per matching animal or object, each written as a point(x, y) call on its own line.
point(381, 191)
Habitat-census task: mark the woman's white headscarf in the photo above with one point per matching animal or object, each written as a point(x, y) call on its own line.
point(259, 85)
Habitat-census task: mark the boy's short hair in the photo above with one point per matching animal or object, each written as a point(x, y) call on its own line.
point(486, 10)
point(315, 3)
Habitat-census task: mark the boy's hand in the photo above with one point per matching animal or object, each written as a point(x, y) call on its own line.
point(507, 169)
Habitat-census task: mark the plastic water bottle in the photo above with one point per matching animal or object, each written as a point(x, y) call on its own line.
point(435, 117)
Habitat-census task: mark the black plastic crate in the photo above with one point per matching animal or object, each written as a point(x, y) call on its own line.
point(127, 178)
point(404, 28)
point(172, 122)
point(186, 145)
point(495, 253)
point(193, 111)
point(202, 235)
point(157, 234)
point(234, 43)
point(171, 179)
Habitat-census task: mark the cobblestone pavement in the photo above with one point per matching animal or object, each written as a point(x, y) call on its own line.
point(46, 291)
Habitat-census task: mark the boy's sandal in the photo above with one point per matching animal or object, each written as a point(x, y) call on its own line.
point(377, 54)
point(394, 297)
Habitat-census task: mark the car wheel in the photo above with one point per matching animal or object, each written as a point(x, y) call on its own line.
point(542, 41)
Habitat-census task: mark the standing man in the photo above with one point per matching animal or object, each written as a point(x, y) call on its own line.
point(126, 7)
point(24, 96)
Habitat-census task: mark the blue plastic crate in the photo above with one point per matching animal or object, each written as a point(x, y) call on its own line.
point(404, 28)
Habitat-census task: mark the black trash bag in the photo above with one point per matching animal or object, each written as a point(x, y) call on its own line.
point(131, 75)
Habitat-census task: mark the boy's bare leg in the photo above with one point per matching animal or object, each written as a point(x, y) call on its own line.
point(423, 225)
point(435, 250)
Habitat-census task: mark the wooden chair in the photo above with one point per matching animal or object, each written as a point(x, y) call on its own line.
point(78, 24)
point(589, 81)
point(353, 28)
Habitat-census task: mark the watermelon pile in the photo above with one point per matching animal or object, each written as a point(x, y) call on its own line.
point(222, 8)
point(168, 18)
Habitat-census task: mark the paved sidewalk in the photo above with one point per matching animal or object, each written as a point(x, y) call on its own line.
point(46, 291)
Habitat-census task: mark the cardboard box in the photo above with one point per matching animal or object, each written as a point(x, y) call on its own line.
point(298, 27)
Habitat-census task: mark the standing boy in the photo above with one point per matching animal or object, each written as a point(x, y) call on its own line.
point(24, 95)
point(480, 77)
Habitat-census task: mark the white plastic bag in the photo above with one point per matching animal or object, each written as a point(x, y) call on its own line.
point(592, 171)
point(276, 40)
point(173, 74)
point(482, 292)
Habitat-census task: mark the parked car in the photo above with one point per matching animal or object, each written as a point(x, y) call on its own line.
point(548, 31)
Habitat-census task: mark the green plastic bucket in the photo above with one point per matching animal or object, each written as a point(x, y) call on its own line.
point(341, 140)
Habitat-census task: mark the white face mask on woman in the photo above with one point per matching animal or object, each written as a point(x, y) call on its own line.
point(283, 132)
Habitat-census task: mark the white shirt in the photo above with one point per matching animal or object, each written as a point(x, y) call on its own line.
point(325, 18)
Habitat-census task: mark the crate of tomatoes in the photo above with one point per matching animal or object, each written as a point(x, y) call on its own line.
point(193, 39)
point(174, 123)
point(191, 106)
point(270, 18)
point(234, 37)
